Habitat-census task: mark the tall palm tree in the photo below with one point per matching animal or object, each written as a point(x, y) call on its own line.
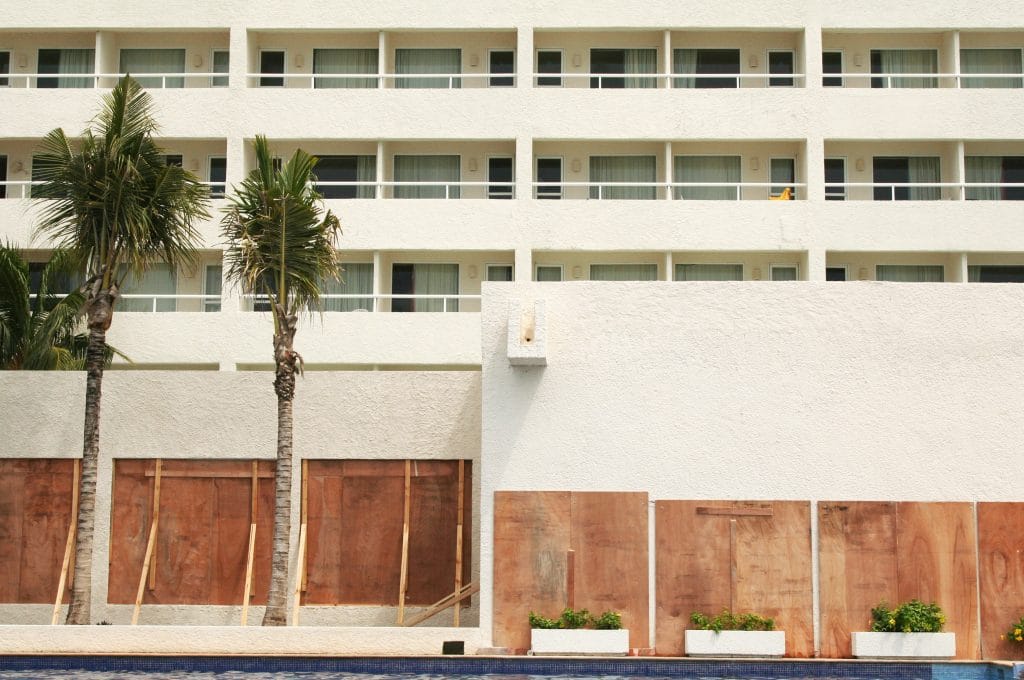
point(113, 202)
point(281, 245)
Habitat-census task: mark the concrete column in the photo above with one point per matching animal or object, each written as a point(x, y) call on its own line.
point(814, 169)
point(107, 57)
point(961, 171)
point(524, 57)
point(814, 263)
point(379, 191)
point(382, 59)
point(236, 153)
point(523, 264)
point(378, 275)
point(950, 62)
point(524, 168)
point(960, 272)
point(238, 59)
point(667, 174)
point(811, 57)
point(666, 57)
point(666, 274)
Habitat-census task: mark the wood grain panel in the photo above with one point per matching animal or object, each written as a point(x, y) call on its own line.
point(609, 537)
point(936, 560)
point(857, 557)
point(35, 513)
point(434, 520)
point(203, 534)
point(531, 537)
point(1001, 575)
point(746, 556)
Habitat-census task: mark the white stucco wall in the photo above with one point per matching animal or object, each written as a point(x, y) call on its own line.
point(809, 391)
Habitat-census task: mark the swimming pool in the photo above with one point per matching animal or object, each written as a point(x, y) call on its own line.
point(479, 668)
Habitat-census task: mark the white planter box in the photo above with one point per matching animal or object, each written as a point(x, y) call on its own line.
point(735, 643)
point(903, 645)
point(579, 642)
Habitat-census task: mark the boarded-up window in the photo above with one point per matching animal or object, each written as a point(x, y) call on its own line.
point(202, 542)
point(355, 523)
point(35, 511)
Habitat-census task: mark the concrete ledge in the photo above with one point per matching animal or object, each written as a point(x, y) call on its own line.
point(904, 645)
point(753, 643)
point(250, 640)
point(576, 642)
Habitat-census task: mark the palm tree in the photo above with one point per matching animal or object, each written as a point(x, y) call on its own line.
point(114, 203)
point(282, 247)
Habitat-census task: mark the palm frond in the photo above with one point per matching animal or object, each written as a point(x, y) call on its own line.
point(15, 315)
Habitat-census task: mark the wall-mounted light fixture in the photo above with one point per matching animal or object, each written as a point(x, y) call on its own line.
point(576, 59)
point(859, 164)
point(755, 274)
point(197, 60)
point(752, 60)
point(300, 60)
point(22, 60)
point(193, 164)
point(471, 271)
point(862, 274)
point(858, 59)
point(472, 165)
point(18, 166)
point(576, 165)
point(577, 272)
point(755, 163)
point(474, 59)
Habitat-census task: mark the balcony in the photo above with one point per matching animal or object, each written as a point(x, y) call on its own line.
point(553, 266)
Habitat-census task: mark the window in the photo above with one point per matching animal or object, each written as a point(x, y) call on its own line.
point(712, 169)
point(172, 159)
point(500, 272)
point(271, 62)
point(995, 273)
point(709, 272)
point(627, 62)
point(835, 173)
point(221, 64)
point(138, 61)
point(898, 62)
point(501, 61)
point(66, 62)
point(444, 170)
point(704, 62)
point(60, 283)
point(909, 273)
point(158, 280)
point(218, 176)
point(5, 68)
point(347, 61)
point(623, 272)
point(549, 272)
point(346, 169)
point(835, 273)
point(902, 171)
point(636, 169)
point(994, 170)
point(356, 279)
point(991, 61)
point(425, 279)
point(780, 62)
point(549, 61)
point(785, 272)
point(499, 173)
point(420, 61)
point(783, 176)
point(3, 176)
point(832, 62)
point(213, 276)
point(549, 170)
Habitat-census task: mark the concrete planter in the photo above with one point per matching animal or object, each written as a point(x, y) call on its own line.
point(579, 641)
point(735, 643)
point(904, 645)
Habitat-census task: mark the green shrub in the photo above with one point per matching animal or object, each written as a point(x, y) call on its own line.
point(577, 618)
point(729, 621)
point(910, 617)
point(608, 621)
point(538, 621)
point(1016, 633)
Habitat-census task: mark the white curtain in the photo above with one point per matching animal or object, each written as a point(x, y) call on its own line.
point(356, 279)
point(77, 61)
point(707, 169)
point(909, 61)
point(366, 171)
point(991, 61)
point(345, 61)
point(784, 273)
point(623, 272)
point(924, 169)
point(709, 272)
point(420, 61)
point(684, 61)
point(138, 61)
point(909, 273)
point(158, 280)
point(641, 61)
point(984, 169)
point(623, 169)
point(221, 64)
point(783, 174)
point(549, 273)
point(213, 280)
point(443, 169)
point(436, 279)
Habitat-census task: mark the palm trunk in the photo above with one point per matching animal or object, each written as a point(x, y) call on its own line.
point(284, 385)
point(100, 310)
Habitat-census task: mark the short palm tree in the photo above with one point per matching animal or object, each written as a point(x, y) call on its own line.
point(111, 200)
point(281, 245)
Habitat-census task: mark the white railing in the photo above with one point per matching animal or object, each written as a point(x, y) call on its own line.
point(451, 190)
point(661, 80)
point(959, 189)
point(22, 188)
point(947, 80)
point(155, 298)
point(90, 80)
point(449, 303)
point(605, 190)
point(445, 81)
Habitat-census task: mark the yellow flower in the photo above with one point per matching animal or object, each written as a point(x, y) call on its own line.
point(892, 622)
point(1019, 638)
point(1002, 637)
point(1016, 631)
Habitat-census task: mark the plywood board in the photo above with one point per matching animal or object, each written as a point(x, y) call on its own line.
point(1000, 575)
point(936, 560)
point(856, 548)
point(35, 513)
point(740, 556)
point(202, 539)
point(532, 534)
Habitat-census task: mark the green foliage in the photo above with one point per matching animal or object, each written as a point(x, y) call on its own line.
point(910, 617)
point(729, 621)
point(577, 618)
point(1015, 635)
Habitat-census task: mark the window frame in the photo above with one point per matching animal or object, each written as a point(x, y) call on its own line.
point(551, 195)
point(5, 77)
point(412, 301)
point(842, 267)
point(842, 67)
point(839, 195)
point(791, 76)
point(511, 76)
point(501, 194)
point(791, 159)
point(206, 302)
point(561, 67)
point(209, 176)
point(559, 267)
point(741, 265)
point(783, 265)
point(5, 165)
point(657, 270)
point(883, 81)
point(273, 76)
point(213, 60)
point(493, 265)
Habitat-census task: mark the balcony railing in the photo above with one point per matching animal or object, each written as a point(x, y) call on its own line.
point(664, 80)
point(441, 190)
point(660, 190)
point(368, 302)
point(23, 188)
point(927, 80)
point(151, 302)
point(191, 79)
point(436, 81)
point(901, 191)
